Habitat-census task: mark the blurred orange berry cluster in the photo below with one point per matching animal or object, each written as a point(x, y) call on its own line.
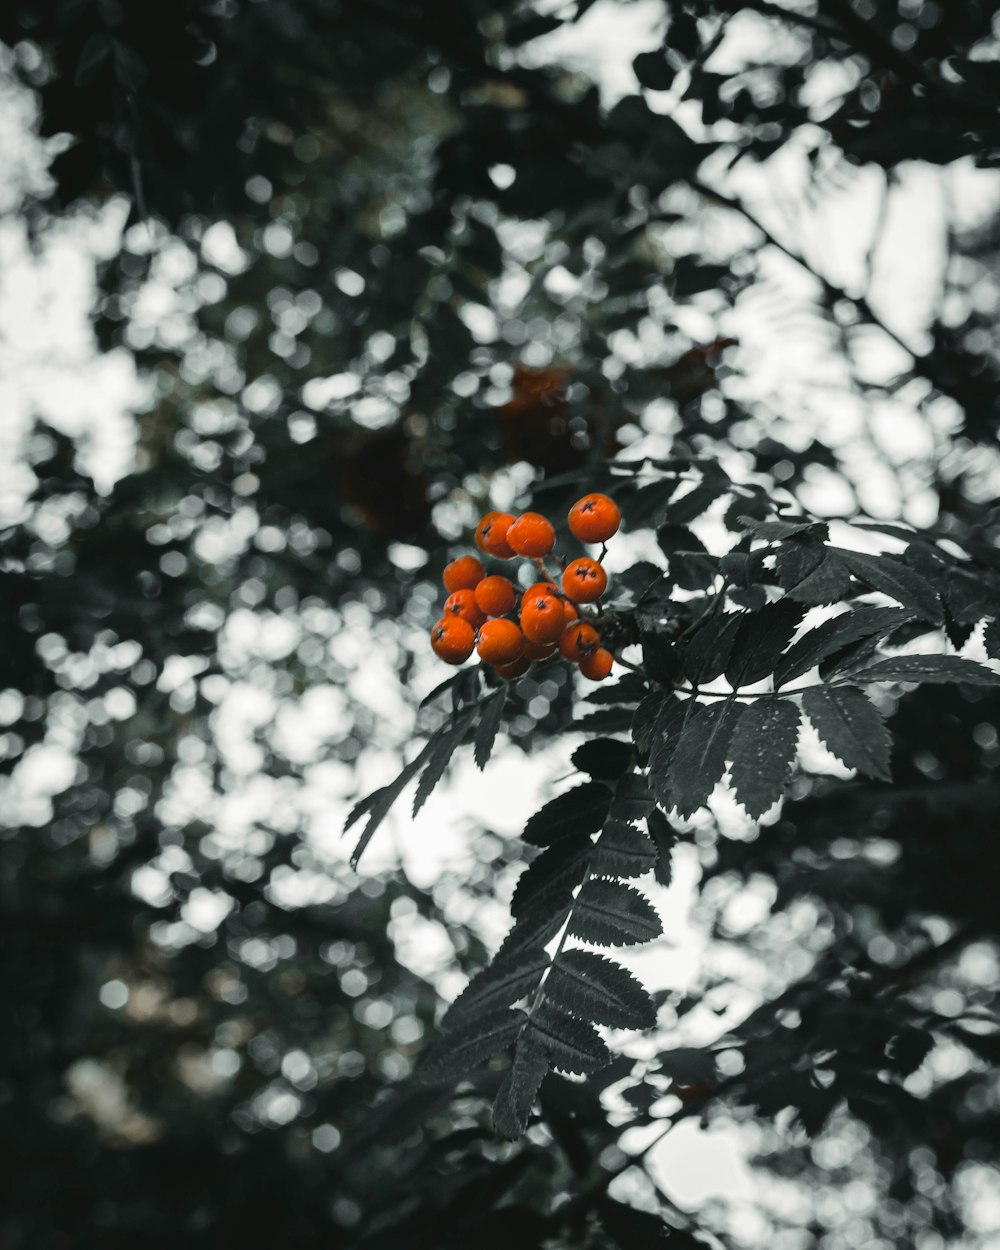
point(510, 628)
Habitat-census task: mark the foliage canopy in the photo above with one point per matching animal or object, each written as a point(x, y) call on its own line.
point(416, 265)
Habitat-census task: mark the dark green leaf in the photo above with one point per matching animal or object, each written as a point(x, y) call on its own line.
point(760, 640)
point(851, 726)
point(466, 1048)
point(893, 578)
point(991, 639)
point(629, 688)
point(665, 839)
point(706, 653)
point(501, 984)
point(633, 798)
point(688, 507)
point(443, 746)
point(378, 804)
point(518, 1090)
point(550, 879)
point(571, 1045)
point(811, 573)
point(762, 751)
point(700, 756)
point(598, 989)
point(580, 810)
point(608, 913)
point(491, 716)
point(606, 720)
point(783, 529)
point(828, 637)
point(929, 668)
point(645, 719)
point(665, 736)
point(622, 851)
point(605, 759)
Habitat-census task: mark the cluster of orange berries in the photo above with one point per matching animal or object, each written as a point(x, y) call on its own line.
point(482, 613)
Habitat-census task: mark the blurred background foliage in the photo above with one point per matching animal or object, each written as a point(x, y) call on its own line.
point(378, 266)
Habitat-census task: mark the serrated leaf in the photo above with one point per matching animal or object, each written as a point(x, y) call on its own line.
point(441, 688)
point(771, 530)
point(468, 1047)
point(660, 654)
point(852, 728)
point(378, 804)
point(811, 573)
point(761, 638)
point(696, 502)
point(897, 580)
point(644, 719)
point(622, 851)
point(518, 1090)
point(700, 757)
point(762, 751)
point(929, 668)
point(607, 720)
point(580, 810)
point(598, 989)
point(550, 879)
point(501, 984)
point(609, 913)
point(665, 735)
point(531, 931)
point(443, 746)
point(646, 506)
point(664, 839)
point(605, 759)
point(633, 798)
point(489, 726)
point(629, 688)
point(706, 653)
point(687, 1065)
point(991, 639)
point(831, 635)
point(571, 1045)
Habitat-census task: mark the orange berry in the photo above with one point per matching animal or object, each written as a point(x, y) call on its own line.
point(579, 641)
point(500, 642)
point(516, 668)
point(532, 535)
point(452, 640)
point(594, 518)
point(570, 613)
point(491, 535)
point(539, 588)
point(598, 665)
point(465, 573)
point(539, 650)
point(542, 618)
point(495, 596)
point(584, 580)
point(462, 603)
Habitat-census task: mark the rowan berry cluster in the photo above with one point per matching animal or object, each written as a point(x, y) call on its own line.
point(510, 628)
